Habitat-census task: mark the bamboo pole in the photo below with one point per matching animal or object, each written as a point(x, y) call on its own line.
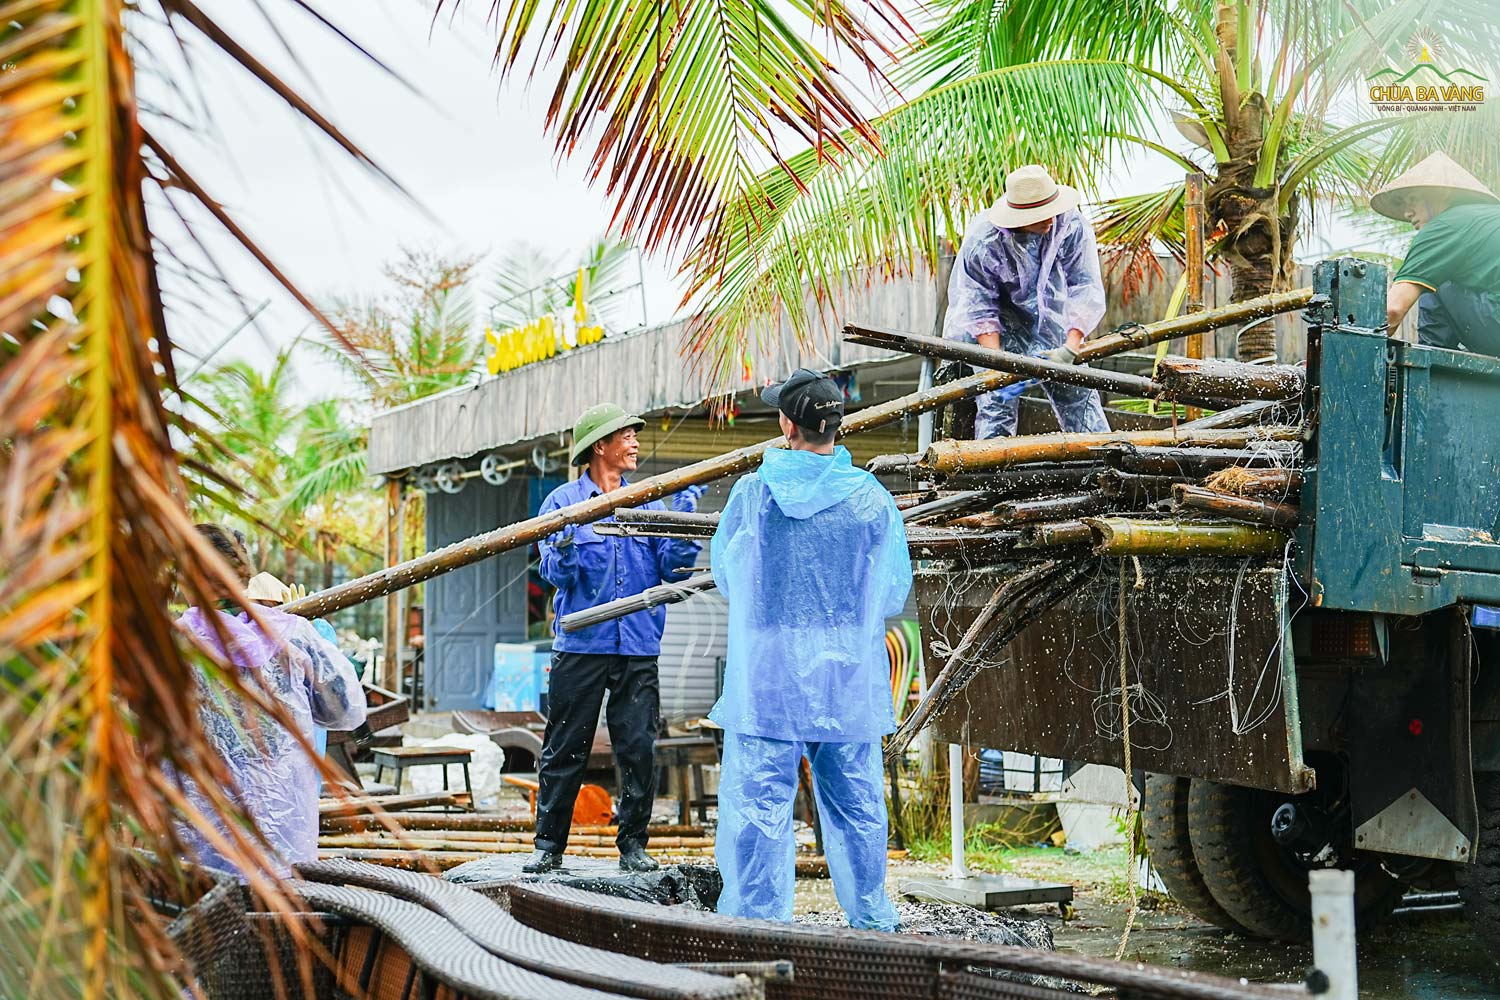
point(355, 806)
point(961, 456)
point(1238, 508)
point(468, 840)
point(1119, 383)
point(1128, 536)
point(651, 597)
point(482, 822)
point(1184, 379)
point(523, 533)
point(1193, 269)
point(1192, 463)
point(390, 672)
point(1055, 534)
point(1029, 480)
point(1258, 411)
point(1136, 489)
point(1052, 508)
point(1255, 482)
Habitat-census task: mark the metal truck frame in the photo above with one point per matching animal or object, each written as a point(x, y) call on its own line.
point(1337, 707)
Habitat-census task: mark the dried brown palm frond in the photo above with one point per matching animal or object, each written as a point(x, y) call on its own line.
point(99, 695)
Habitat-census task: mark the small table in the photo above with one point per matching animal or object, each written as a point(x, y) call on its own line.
point(689, 753)
point(400, 758)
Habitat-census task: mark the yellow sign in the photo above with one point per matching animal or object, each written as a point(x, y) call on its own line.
point(544, 336)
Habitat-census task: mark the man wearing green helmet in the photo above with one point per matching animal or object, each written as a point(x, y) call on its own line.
point(589, 569)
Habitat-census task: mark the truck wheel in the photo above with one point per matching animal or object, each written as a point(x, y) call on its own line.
point(1165, 816)
point(1479, 883)
point(1260, 884)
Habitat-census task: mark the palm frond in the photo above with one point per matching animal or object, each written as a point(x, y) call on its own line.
point(686, 103)
point(100, 733)
point(820, 224)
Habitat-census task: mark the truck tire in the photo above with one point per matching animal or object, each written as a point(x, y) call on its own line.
point(1165, 815)
point(1262, 886)
point(1479, 883)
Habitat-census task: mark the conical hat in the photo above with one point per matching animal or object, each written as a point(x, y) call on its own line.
point(1437, 172)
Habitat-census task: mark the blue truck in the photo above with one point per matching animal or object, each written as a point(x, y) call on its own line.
point(1338, 706)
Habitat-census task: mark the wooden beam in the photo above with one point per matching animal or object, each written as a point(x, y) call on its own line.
point(390, 672)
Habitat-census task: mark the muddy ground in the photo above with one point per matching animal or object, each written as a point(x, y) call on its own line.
point(1430, 956)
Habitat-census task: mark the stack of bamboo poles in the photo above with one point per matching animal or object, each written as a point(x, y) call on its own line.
point(1223, 486)
point(426, 841)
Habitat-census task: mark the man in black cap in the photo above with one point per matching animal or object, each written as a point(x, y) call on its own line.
point(811, 554)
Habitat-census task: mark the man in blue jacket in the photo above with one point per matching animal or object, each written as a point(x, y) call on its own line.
point(811, 554)
point(589, 569)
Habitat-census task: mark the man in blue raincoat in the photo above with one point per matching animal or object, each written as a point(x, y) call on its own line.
point(811, 554)
point(1027, 280)
point(589, 569)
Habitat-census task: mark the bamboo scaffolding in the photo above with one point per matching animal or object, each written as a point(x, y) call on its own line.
point(1054, 535)
point(524, 533)
point(1256, 482)
point(960, 456)
point(1128, 536)
point(1119, 383)
point(1188, 379)
point(1237, 508)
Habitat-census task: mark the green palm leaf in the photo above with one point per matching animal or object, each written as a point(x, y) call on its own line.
point(686, 103)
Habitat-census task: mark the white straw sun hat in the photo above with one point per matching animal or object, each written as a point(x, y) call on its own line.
point(1031, 195)
point(1436, 173)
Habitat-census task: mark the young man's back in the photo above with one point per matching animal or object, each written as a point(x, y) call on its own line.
point(811, 554)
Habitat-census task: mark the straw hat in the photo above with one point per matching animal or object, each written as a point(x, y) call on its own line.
point(1436, 173)
point(1031, 195)
point(265, 588)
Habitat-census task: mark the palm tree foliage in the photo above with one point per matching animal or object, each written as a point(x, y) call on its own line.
point(1266, 94)
point(99, 697)
point(685, 103)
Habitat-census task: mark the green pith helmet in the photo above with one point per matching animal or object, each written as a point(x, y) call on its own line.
point(596, 424)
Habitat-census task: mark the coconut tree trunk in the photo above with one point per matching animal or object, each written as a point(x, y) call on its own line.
point(1257, 237)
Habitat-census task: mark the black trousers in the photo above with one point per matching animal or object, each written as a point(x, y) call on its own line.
point(574, 693)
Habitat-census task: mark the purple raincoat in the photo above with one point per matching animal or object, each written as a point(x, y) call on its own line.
point(275, 780)
point(1030, 289)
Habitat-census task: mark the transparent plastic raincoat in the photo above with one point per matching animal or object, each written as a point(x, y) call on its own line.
point(811, 554)
point(1031, 289)
point(275, 781)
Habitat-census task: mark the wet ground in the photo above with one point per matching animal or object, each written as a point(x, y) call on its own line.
point(1429, 956)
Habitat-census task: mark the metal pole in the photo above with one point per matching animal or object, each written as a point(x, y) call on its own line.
point(1333, 932)
point(956, 808)
point(640, 279)
point(390, 674)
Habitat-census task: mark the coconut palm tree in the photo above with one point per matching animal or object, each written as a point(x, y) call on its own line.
point(99, 696)
point(1263, 95)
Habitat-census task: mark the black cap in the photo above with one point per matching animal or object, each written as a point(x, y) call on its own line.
point(809, 399)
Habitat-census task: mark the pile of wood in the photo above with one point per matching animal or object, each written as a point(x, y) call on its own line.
point(1225, 485)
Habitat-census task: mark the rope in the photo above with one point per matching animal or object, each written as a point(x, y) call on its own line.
point(1130, 814)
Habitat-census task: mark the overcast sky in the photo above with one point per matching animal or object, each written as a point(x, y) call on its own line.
point(481, 173)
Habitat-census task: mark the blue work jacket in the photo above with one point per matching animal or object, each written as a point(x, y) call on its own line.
point(597, 569)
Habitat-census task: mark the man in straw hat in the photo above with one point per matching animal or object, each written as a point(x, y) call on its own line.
point(1027, 279)
point(1452, 270)
point(589, 569)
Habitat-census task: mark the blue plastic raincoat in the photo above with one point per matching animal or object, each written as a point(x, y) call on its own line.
point(275, 781)
point(1030, 289)
point(595, 569)
point(811, 554)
